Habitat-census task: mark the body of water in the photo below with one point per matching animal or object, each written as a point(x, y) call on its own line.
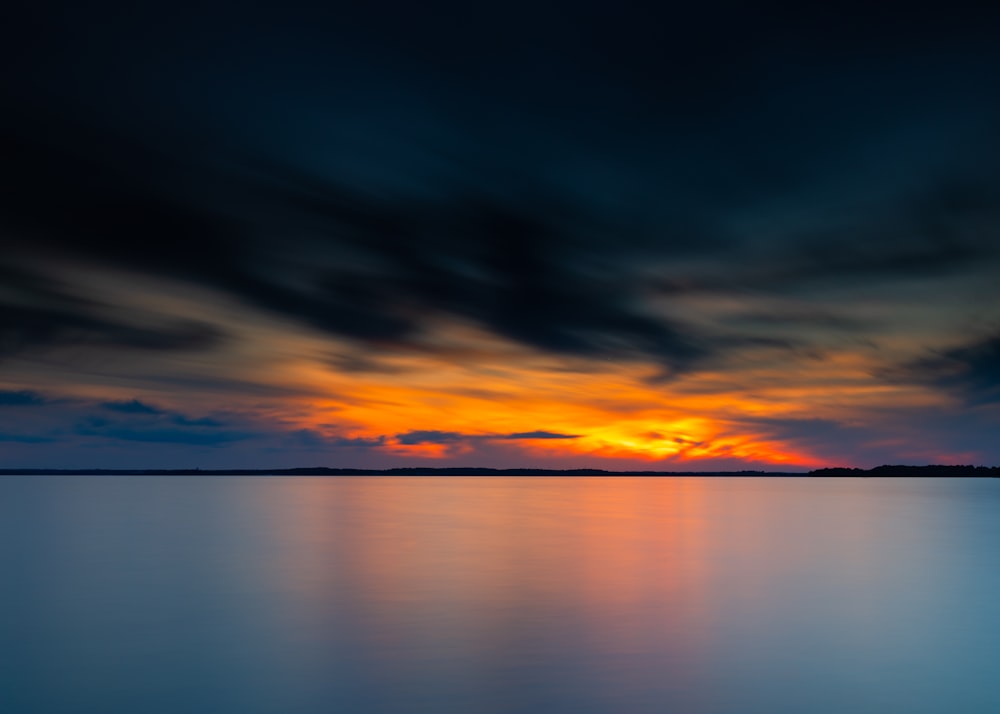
point(471, 595)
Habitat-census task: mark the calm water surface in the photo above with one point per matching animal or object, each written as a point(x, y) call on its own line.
point(467, 595)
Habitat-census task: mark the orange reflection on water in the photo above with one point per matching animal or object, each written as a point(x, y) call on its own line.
point(649, 582)
point(477, 569)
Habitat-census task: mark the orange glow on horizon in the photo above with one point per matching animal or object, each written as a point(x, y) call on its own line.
point(473, 394)
point(612, 412)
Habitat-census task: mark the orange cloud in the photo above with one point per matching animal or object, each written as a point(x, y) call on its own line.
point(617, 411)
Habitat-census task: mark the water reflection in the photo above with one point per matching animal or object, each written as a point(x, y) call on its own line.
point(499, 595)
point(509, 593)
point(625, 594)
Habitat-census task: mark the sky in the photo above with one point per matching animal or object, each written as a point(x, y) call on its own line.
point(667, 236)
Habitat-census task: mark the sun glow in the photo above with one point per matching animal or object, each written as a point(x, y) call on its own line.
point(614, 413)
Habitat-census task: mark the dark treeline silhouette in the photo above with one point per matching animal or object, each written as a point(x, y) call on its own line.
point(411, 471)
point(878, 471)
point(934, 470)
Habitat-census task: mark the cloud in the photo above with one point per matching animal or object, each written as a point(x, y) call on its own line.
point(533, 264)
point(357, 443)
point(828, 440)
point(136, 407)
point(804, 431)
point(668, 211)
point(378, 271)
point(24, 329)
point(314, 439)
point(971, 370)
point(27, 439)
point(430, 437)
point(181, 420)
point(453, 437)
point(21, 398)
point(941, 230)
point(37, 313)
point(137, 421)
point(167, 436)
point(520, 268)
point(133, 406)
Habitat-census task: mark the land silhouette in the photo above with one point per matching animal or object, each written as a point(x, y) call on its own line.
point(893, 471)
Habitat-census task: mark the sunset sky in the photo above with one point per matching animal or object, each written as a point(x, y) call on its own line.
point(704, 236)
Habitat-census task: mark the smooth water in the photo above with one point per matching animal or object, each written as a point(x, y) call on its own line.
point(246, 595)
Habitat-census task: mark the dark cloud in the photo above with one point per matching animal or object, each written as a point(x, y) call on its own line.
point(36, 313)
point(167, 436)
point(537, 261)
point(133, 406)
point(385, 269)
point(181, 420)
point(221, 386)
point(136, 407)
point(890, 434)
point(357, 443)
point(314, 439)
point(27, 439)
point(373, 270)
point(808, 431)
point(21, 398)
point(802, 317)
point(28, 329)
point(586, 182)
point(430, 437)
point(824, 434)
point(531, 265)
point(363, 364)
point(137, 421)
point(971, 370)
point(453, 437)
point(935, 233)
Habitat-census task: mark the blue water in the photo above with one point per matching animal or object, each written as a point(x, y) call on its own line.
point(620, 595)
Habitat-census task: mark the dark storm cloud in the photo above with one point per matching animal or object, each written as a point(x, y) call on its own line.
point(220, 385)
point(356, 443)
point(60, 195)
point(181, 420)
point(941, 231)
point(531, 265)
point(311, 438)
point(971, 371)
point(579, 156)
point(21, 398)
point(430, 437)
point(802, 317)
point(27, 439)
point(27, 329)
point(506, 264)
point(165, 436)
point(133, 406)
point(137, 421)
point(825, 434)
point(367, 269)
point(836, 441)
point(889, 434)
point(37, 313)
point(453, 437)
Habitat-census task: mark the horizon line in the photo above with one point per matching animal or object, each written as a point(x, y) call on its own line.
point(883, 470)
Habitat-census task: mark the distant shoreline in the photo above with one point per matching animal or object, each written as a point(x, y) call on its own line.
point(879, 471)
